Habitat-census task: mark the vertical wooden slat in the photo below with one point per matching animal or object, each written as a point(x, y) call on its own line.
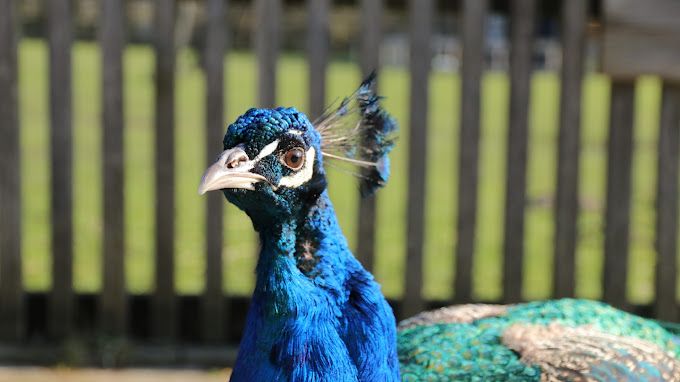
point(267, 29)
point(573, 46)
point(164, 305)
point(371, 32)
point(617, 216)
point(11, 293)
point(371, 16)
point(667, 203)
point(317, 54)
point(213, 323)
point(522, 26)
point(61, 300)
point(474, 13)
point(419, 65)
point(113, 304)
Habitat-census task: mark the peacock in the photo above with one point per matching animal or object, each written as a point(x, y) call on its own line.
point(317, 315)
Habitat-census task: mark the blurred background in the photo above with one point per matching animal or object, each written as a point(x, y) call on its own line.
point(537, 157)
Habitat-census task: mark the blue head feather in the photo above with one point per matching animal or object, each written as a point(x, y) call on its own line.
point(316, 314)
point(257, 127)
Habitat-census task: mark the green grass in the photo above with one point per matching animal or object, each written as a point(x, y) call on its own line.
point(241, 247)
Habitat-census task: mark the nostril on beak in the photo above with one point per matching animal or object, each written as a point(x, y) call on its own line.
point(235, 159)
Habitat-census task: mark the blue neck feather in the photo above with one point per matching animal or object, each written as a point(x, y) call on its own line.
point(316, 314)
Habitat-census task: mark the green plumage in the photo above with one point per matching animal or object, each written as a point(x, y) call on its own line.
point(475, 351)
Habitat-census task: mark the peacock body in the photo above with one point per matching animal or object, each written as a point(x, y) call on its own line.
point(561, 340)
point(318, 315)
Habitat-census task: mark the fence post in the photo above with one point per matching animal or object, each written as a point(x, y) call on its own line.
point(667, 203)
point(474, 14)
point(419, 63)
point(214, 320)
point(113, 302)
point(371, 34)
point(371, 16)
point(164, 304)
point(566, 212)
point(617, 216)
point(522, 28)
point(61, 299)
point(267, 29)
point(11, 292)
point(317, 54)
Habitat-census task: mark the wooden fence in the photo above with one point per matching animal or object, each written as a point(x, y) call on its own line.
point(212, 318)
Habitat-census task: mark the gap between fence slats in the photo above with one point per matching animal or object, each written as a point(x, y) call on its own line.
point(61, 147)
point(113, 301)
point(267, 39)
point(521, 40)
point(667, 203)
point(164, 307)
point(317, 54)
point(617, 215)
point(474, 14)
point(419, 66)
point(11, 288)
point(213, 313)
point(566, 209)
point(371, 25)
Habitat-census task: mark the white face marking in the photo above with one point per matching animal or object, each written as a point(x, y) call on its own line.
point(303, 175)
point(294, 180)
point(270, 148)
point(295, 132)
point(266, 150)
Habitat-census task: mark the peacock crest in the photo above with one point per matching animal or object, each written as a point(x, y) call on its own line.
point(359, 131)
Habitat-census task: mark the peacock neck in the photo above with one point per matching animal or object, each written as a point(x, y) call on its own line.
point(316, 314)
point(298, 253)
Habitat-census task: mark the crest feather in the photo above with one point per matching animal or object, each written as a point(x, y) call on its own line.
point(359, 131)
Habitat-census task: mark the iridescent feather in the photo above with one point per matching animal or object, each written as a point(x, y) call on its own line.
point(360, 131)
point(562, 340)
point(587, 354)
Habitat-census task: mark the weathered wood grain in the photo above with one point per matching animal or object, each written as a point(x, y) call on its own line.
point(213, 312)
point(11, 288)
point(566, 209)
point(641, 37)
point(266, 33)
point(521, 39)
point(371, 32)
point(317, 53)
point(474, 15)
point(667, 203)
point(59, 29)
point(617, 215)
point(419, 65)
point(164, 305)
point(113, 300)
point(661, 15)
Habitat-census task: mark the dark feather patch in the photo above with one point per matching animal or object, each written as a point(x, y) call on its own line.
point(360, 131)
point(376, 140)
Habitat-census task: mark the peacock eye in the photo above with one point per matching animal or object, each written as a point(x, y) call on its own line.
point(294, 158)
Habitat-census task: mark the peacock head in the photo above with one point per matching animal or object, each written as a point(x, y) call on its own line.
point(272, 163)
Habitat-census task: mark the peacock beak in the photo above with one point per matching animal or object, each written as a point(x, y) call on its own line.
point(231, 170)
